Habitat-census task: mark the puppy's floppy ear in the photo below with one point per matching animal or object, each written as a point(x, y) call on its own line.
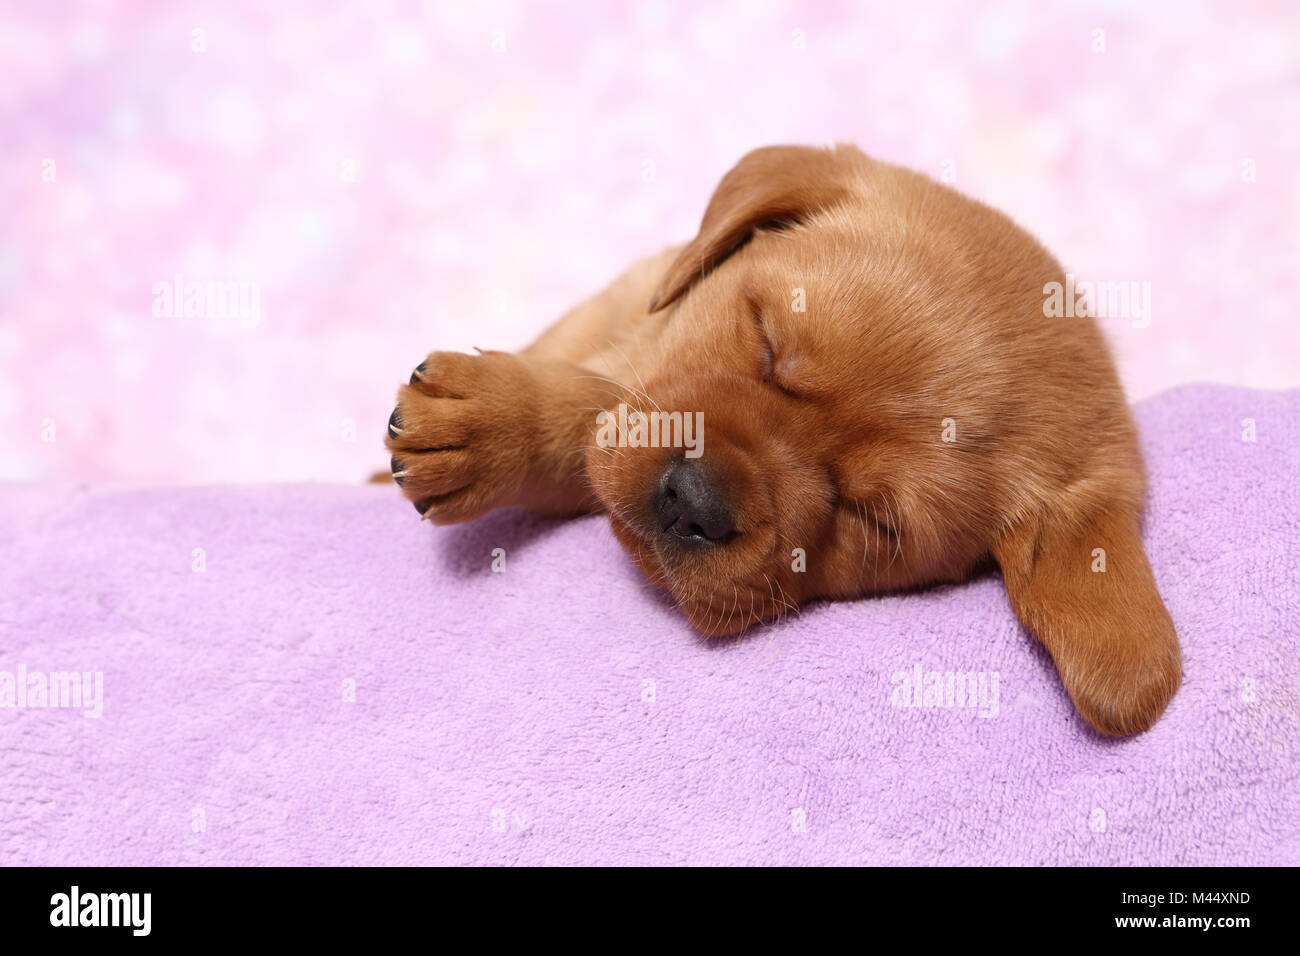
point(769, 185)
point(1107, 630)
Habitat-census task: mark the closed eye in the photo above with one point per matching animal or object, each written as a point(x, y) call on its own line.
point(768, 358)
point(767, 365)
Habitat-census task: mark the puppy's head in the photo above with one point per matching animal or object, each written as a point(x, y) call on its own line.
point(816, 330)
point(882, 404)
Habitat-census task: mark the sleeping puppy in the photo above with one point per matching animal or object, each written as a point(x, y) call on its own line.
point(881, 403)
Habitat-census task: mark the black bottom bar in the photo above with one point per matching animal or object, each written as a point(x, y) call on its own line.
point(370, 905)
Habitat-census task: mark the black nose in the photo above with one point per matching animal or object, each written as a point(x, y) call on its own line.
point(689, 506)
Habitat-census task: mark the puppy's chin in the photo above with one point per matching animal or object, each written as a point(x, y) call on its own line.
point(721, 615)
point(714, 604)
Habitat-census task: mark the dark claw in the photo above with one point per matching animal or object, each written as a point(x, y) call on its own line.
point(419, 370)
point(394, 422)
point(421, 507)
point(396, 466)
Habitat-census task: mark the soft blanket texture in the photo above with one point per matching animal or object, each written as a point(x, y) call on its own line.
point(312, 675)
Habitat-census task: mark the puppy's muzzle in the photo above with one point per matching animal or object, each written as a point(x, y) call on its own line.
point(689, 506)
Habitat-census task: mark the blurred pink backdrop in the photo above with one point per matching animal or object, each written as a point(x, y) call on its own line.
point(399, 177)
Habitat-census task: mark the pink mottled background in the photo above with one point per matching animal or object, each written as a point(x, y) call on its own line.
point(398, 177)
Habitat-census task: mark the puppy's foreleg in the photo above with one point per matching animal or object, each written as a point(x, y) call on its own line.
point(475, 432)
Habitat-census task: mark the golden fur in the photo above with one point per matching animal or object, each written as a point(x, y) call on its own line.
point(824, 428)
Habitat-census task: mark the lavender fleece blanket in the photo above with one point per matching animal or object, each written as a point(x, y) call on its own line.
point(310, 675)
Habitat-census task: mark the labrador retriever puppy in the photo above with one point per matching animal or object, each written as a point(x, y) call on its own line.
point(882, 403)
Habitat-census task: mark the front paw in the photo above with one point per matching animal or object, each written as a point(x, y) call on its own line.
point(1122, 686)
point(461, 435)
